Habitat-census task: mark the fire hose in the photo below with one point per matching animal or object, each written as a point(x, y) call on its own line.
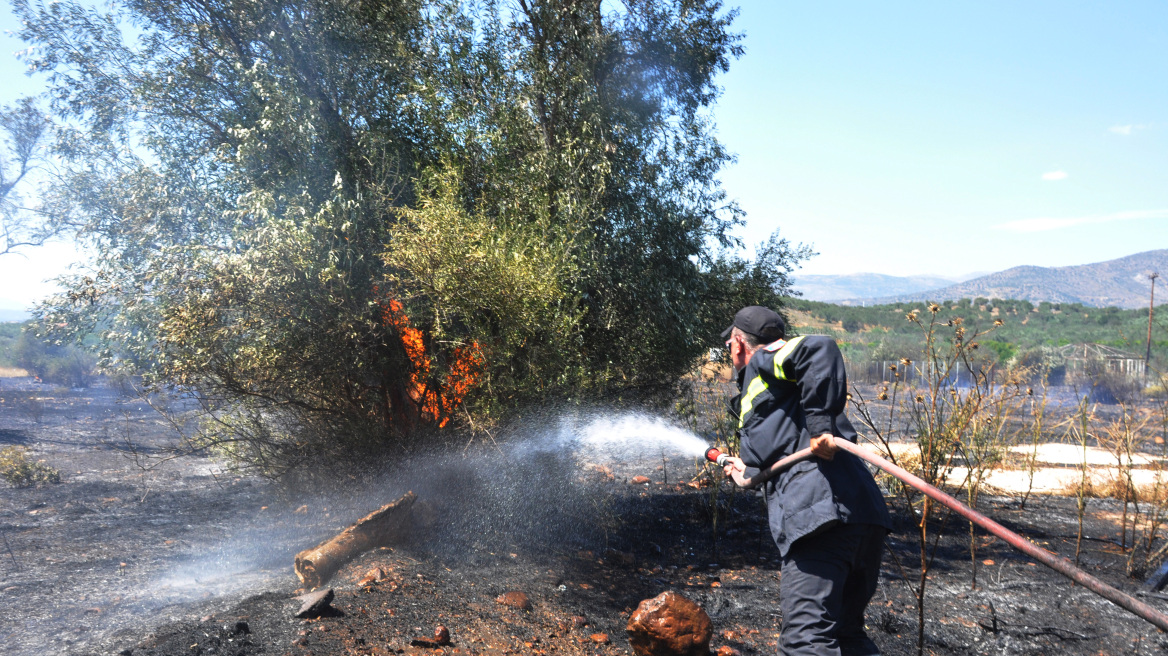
point(1057, 563)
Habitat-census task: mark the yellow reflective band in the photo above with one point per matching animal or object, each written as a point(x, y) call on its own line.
point(783, 354)
point(755, 388)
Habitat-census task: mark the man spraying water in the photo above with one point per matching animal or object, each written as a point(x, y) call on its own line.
point(826, 514)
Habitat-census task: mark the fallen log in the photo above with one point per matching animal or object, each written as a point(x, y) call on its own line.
point(386, 525)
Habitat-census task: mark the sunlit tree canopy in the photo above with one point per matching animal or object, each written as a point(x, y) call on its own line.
point(340, 223)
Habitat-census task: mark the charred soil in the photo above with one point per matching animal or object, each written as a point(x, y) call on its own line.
point(581, 599)
point(121, 560)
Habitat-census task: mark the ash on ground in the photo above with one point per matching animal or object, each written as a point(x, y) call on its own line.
point(186, 558)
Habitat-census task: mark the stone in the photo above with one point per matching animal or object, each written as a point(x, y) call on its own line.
point(669, 625)
point(514, 599)
point(315, 604)
point(241, 627)
point(372, 576)
point(441, 635)
point(599, 638)
point(619, 557)
point(640, 480)
point(727, 650)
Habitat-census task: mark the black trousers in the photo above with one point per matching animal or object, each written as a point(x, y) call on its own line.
point(827, 580)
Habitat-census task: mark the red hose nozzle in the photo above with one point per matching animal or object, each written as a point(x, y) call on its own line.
point(716, 456)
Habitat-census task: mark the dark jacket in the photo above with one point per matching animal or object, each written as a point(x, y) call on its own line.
point(793, 391)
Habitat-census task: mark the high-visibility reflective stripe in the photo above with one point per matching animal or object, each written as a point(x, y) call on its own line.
point(755, 388)
point(783, 354)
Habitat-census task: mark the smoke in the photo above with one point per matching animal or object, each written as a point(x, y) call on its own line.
point(545, 485)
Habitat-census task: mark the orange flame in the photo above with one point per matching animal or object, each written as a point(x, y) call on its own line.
point(465, 368)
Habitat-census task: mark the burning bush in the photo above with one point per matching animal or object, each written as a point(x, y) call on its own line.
point(532, 194)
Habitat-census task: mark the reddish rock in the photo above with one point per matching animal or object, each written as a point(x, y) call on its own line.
point(441, 635)
point(599, 638)
point(372, 576)
point(640, 480)
point(514, 599)
point(670, 625)
point(727, 650)
point(578, 621)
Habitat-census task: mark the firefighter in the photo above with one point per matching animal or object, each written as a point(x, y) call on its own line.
point(826, 514)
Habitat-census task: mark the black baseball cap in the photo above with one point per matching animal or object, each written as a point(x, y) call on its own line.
point(763, 323)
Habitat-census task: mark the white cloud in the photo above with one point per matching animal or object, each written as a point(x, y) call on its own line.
point(1042, 224)
point(1126, 130)
point(1054, 175)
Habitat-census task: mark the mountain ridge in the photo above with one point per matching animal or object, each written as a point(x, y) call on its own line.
point(1120, 282)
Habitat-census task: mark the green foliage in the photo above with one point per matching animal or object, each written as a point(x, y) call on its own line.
point(20, 471)
point(1004, 351)
point(1024, 326)
point(262, 182)
point(67, 365)
point(9, 333)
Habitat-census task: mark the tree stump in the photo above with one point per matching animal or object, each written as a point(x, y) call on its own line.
point(386, 525)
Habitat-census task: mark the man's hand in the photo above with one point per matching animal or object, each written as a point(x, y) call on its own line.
point(736, 470)
point(824, 446)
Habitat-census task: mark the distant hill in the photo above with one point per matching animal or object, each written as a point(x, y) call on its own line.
point(829, 288)
point(1120, 283)
point(7, 315)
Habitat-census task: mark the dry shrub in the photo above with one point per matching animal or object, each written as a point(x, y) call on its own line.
point(1114, 487)
point(19, 471)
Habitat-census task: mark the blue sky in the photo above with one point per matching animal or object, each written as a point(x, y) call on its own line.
point(916, 137)
point(946, 137)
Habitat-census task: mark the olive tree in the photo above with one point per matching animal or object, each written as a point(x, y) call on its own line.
point(338, 224)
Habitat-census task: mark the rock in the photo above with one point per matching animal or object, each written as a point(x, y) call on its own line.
point(441, 635)
point(599, 638)
point(241, 627)
point(514, 599)
point(372, 576)
point(619, 557)
point(669, 625)
point(727, 650)
point(640, 480)
point(315, 604)
point(578, 621)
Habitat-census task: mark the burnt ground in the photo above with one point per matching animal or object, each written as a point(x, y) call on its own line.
point(208, 558)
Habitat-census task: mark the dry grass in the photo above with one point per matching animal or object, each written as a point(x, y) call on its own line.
point(1113, 487)
point(12, 372)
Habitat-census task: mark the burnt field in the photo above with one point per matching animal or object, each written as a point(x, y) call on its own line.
point(183, 557)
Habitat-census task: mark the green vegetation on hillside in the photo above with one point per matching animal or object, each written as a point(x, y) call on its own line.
point(9, 333)
point(882, 332)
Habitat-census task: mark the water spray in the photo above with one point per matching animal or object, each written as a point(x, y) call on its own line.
point(1057, 563)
